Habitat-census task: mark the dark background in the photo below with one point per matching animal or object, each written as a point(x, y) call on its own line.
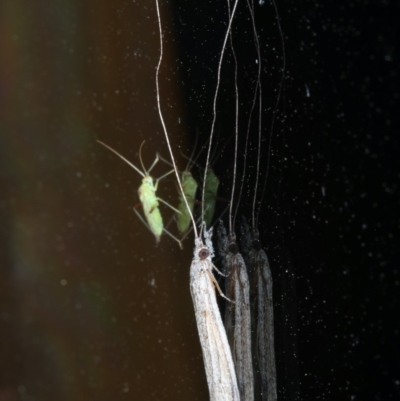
point(90, 308)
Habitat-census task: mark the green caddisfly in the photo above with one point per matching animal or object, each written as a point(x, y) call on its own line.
point(210, 195)
point(185, 207)
point(189, 186)
point(148, 197)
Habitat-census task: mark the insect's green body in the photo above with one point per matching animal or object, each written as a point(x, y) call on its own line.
point(149, 200)
point(189, 186)
point(210, 196)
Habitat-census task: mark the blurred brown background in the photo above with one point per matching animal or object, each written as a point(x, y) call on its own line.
point(91, 308)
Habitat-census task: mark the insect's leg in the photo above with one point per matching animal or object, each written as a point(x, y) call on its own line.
point(141, 218)
point(169, 222)
point(154, 163)
point(187, 233)
point(166, 203)
point(165, 160)
point(166, 231)
point(160, 178)
point(222, 274)
point(215, 282)
point(173, 237)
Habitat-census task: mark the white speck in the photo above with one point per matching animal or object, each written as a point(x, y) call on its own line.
point(307, 91)
point(153, 282)
point(63, 282)
point(79, 174)
point(261, 2)
point(323, 191)
point(256, 61)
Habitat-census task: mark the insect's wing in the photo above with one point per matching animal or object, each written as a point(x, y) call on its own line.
point(189, 186)
point(210, 196)
point(217, 355)
point(150, 205)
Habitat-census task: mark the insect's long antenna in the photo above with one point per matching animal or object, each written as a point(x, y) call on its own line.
point(140, 157)
point(251, 7)
point(122, 157)
point(215, 106)
point(163, 123)
point(256, 89)
point(189, 163)
point(231, 227)
point(275, 108)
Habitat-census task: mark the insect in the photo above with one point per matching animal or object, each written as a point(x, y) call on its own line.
point(211, 185)
point(261, 297)
point(148, 197)
point(237, 313)
point(263, 319)
point(220, 370)
point(186, 198)
point(189, 186)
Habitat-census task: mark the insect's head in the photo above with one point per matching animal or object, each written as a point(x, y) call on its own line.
point(233, 248)
point(186, 174)
point(204, 253)
point(148, 180)
point(211, 178)
point(256, 244)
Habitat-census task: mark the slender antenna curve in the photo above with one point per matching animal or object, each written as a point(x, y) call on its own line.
point(123, 158)
point(140, 157)
point(215, 107)
point(275, 108)
point(232, 223)
point(256, 89)
point(259, 116)
point(163, 123)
